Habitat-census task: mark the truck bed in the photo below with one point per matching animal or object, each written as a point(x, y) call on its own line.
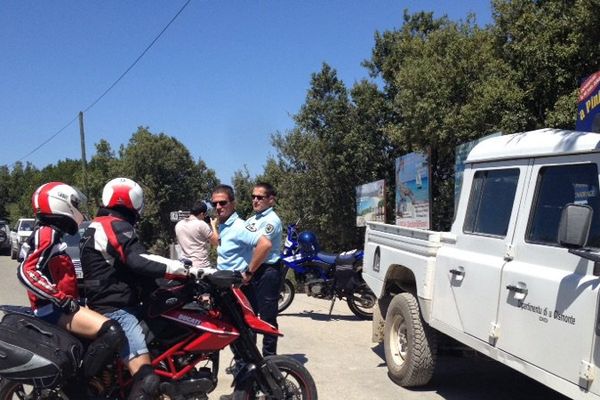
point(391, 245)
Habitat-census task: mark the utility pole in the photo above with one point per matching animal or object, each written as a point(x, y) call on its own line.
point(83, 159)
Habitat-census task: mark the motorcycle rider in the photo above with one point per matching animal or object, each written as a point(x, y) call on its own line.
point(114, 262)
point(48, 273)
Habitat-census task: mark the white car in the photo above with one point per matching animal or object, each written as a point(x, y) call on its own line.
point(19, 235)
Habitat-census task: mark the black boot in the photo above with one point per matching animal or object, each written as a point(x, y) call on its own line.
point(145, 384)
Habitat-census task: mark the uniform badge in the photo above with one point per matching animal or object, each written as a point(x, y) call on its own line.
point(269, 229)
point(251, 227)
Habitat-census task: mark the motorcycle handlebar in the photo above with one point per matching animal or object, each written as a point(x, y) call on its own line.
point(220, 279)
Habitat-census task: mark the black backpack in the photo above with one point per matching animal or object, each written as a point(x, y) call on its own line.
point(37, 353)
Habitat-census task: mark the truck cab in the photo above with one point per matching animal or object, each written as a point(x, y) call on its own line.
point(504, 281)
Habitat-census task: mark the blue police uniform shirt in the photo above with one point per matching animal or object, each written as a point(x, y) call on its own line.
point(268, 224)
point(236, 244)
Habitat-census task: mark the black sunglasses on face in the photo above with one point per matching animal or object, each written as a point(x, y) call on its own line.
point(257, 197)
point(222, 203)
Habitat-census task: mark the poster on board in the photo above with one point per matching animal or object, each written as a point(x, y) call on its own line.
point(370, 202)
point(588, 109)
point(412, 191)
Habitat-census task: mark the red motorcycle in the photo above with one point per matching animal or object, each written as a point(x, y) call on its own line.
point(188, 325)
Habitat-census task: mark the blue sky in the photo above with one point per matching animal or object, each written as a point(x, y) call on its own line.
point(221, 79)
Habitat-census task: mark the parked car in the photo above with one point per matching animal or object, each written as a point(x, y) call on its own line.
point(19, 234)
point(4, 237)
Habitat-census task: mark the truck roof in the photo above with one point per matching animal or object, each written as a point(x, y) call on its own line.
point(538, 143)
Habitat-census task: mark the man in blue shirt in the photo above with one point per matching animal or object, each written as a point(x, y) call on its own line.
point(267, 279)
point(240, 249)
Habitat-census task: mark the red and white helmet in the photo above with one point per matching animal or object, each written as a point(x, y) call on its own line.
point(58, 203)
point(123, 192)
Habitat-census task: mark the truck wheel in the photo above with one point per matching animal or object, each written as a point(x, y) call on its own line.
point(409, 344)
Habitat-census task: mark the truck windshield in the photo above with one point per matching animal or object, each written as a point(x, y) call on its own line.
point(26, 226)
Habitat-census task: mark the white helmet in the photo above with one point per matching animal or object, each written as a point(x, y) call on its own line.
point(123, 192)
point(58, 203)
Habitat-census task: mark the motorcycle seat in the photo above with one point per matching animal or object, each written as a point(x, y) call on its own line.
point(13, 309)
point(346, 258)
point(328, 258)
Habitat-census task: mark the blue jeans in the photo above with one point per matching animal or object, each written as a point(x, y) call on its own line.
point(136, 340)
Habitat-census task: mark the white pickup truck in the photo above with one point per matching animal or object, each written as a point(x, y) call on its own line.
point(516, 278)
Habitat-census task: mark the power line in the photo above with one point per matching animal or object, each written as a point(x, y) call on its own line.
point(138, 59)
point(46, 141)
point(111, 86)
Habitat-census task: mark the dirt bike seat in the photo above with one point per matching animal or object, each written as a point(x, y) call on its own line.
point(346, 258)
point(328, 258)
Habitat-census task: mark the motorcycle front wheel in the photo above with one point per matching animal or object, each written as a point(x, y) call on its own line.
point(362, 301)
point(286, 295)
point(10, 390)
point(299, 384)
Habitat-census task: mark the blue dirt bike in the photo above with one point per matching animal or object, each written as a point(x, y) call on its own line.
point(324, 275)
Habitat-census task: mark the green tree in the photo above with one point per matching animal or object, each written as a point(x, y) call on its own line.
point(169, 177)
point(242, 187)
point(206, 182)
point(337, 143)
point(446, 84)
point(24, 182)
point(4, 191)
point(551, 45)
point(102, 167)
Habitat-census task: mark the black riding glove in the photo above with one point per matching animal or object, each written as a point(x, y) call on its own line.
point(69, 305)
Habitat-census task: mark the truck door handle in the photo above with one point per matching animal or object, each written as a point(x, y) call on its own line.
point(517, 289)
point(520, 292)
point(458, 274)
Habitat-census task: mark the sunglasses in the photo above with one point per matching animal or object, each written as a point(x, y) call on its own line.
point(257, 197)
point(222, 203)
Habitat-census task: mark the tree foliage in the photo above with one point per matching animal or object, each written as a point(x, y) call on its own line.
point(329, 152)
point(164, 168)
point(433, 84)
point(169, 177)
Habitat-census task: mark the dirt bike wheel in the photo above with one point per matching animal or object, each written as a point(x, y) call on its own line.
point(10, 390)
point(362, 302)
point(299, 384)
point(286, 295)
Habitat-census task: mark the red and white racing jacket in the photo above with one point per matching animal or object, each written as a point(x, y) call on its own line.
point(47, 271)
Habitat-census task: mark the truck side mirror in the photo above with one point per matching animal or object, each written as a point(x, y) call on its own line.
point(574, 227)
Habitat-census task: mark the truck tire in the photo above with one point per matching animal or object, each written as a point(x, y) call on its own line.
point(409, 344)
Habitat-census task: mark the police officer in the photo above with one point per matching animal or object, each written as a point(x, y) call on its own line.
point(239, 249)
point(267, 279)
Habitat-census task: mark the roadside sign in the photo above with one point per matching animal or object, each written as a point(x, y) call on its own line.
point(175, 216)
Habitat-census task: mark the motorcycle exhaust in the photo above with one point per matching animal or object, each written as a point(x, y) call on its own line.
point(184, 389)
